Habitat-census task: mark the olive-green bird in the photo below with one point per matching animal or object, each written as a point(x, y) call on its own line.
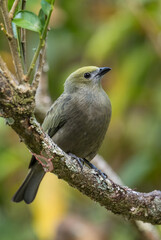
point(77, 122)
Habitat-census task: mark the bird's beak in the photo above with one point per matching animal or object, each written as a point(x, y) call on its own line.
point(103, 71)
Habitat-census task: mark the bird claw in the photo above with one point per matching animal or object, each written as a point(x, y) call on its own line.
point(92, 166)
point(48, 165)
point(80, 161)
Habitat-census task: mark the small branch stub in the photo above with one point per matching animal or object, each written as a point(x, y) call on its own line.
point(13, 9)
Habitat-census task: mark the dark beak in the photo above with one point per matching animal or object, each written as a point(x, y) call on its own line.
point(103, 71)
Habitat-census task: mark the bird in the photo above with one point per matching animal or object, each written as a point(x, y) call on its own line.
point(77, 122)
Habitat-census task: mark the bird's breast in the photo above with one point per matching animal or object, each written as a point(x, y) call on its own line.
point(87, 121)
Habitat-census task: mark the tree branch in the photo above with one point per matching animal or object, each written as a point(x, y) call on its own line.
point(146, 230)
point(41, 44)
point(13, 9)
point(17, 104)
point(5, 70)
point(23, 38)
point(12, 41)
point(42, 98)
point(36, 80)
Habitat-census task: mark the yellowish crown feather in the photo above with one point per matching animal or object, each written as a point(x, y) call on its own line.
point(83, 70)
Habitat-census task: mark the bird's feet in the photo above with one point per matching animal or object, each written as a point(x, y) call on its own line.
point(92, 166)
point(81, 162)
point(45, 162)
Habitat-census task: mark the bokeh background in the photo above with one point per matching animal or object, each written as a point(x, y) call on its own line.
point(126, 36)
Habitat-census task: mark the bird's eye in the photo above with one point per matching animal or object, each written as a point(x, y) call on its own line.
point(87, 75)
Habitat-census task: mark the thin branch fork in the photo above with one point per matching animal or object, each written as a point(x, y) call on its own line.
point(23, 38)
point(146, 230)
point(13, 9)
point(118, 199)
point(39, 69)
point(12, 41)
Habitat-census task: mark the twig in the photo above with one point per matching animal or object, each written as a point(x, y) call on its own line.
point(148, 231)
point(13, 9)
point(2, 64)
point(23, 39)
point(38, 72)
point(5, 32)
point(12, 41)
point(23, 46)
point(23, 4)
point(41, 44)
point(6, 72)
point(42, 98)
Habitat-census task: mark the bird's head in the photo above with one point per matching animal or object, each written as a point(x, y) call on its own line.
point(85, 76)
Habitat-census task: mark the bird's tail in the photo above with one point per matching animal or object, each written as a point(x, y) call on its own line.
point(29, 187)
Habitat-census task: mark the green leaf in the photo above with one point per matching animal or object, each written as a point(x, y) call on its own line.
point(46, 7)
point(28, 20)
point(42, 17)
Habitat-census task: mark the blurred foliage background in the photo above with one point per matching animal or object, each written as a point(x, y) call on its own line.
point(124, 35)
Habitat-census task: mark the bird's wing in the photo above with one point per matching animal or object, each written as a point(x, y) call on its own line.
point(54, 119)
point(56, 116)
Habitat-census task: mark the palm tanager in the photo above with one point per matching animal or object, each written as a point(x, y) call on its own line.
point(77, 122)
